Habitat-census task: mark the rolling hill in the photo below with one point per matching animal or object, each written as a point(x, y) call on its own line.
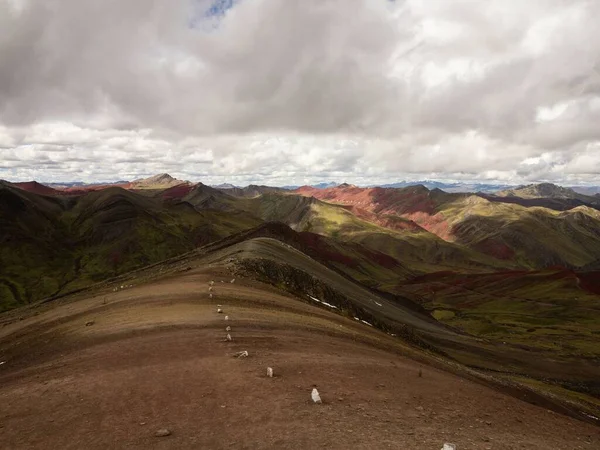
point(528, 237)
point(54, 244)
point(496, 291)
point(148, 366)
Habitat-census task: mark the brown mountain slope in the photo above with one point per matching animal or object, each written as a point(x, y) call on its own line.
point(160, 181)
point(155, 357)
point(36, 188)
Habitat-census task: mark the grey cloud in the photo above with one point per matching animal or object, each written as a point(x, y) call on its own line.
point(296, 89)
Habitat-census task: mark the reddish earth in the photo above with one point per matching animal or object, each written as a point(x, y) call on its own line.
point(390, 222)
point(495, 248)
point(40, 189)
point(590, 281)
point(79, 190)
point(155, 357)
point(416, 205)
point(177, 192)
point(36, 188)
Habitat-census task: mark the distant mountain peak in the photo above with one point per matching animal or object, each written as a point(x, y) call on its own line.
point(161, 177)
point(162, 180)
point(540, 190)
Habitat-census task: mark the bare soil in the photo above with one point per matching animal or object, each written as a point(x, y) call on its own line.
point(155, 357)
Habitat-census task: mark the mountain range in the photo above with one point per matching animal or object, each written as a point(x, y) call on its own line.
point(485, 280)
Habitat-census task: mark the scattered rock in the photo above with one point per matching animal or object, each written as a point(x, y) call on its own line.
point(243, 354)
point(227, 328)
point(270, 372)
point(228, 337)
point(316, 398)
point(163, 432)
point(90, 323)
point(449, 447)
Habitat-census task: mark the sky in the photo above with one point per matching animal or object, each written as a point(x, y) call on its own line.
point(286, 92)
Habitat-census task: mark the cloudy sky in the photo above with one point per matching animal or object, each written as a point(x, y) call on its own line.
point(300, 91)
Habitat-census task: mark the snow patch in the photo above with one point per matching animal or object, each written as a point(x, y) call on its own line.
point(329, 305)
point(363, 321)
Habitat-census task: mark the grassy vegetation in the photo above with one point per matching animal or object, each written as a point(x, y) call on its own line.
point(51, 246)
point(544, 311)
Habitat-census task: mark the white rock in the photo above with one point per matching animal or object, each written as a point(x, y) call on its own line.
point(243, 354)
point(209, 288)
point(449, 446)
point(209, 295)
point(227, 328)
point(270, 372)
point(219, 311)
point(228, 338)
point(163, 432)
point(226, 317)
point(315, 396)
point(232, 281)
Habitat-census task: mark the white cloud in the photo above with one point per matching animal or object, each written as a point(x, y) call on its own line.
point(302, 90)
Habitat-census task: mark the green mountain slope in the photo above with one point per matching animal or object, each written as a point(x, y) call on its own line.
point(53, 245)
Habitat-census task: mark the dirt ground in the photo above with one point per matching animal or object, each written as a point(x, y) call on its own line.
point(156, 357)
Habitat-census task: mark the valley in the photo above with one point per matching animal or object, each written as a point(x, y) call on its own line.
point(502, 294)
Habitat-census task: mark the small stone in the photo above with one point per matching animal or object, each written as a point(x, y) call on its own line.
point(163, 432)
point(316, 398)
point(90, 323)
